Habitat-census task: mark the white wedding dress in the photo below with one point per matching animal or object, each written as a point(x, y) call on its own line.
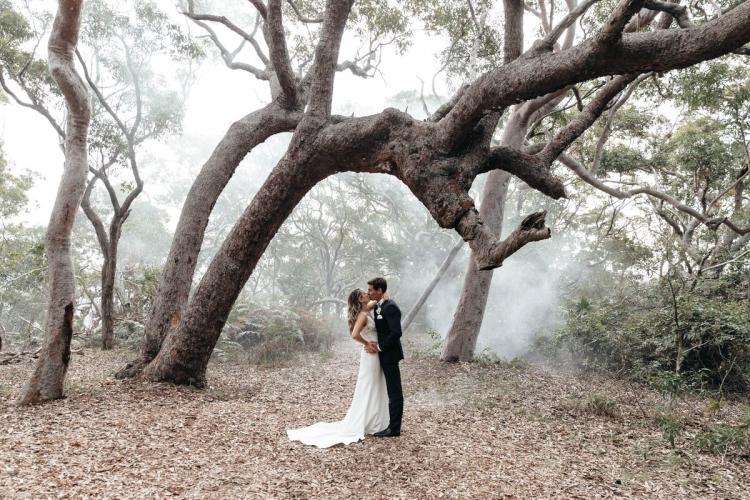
point(368, 412)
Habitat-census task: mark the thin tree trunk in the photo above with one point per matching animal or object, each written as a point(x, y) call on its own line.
point(431, 286)
point(46, 382)
point(109, 271)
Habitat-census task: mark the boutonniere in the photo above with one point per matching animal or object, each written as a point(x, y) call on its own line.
point(378, 311)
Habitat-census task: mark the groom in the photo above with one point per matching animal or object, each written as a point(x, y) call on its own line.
point(388, 325)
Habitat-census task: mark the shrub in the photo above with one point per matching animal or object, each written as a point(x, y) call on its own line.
point(641, 332)
point(670, 428)
point(602, 406)
point(723, 438)
point(270, 335)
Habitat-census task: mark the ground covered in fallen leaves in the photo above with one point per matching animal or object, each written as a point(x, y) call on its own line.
point(480, 431)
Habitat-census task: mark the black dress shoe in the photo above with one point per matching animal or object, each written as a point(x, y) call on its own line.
point(387, 433)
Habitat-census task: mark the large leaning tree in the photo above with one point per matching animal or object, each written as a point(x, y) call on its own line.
point(438, 159)
point(534, 122)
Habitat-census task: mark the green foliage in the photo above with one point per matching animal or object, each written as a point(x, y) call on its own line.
point(622, 159)
point(19, 43)
point(636, 332)
point(12, 190)
point(23, 285)
point(272, 334)
point(471, 49)
point(722, 439)
point(670, 427)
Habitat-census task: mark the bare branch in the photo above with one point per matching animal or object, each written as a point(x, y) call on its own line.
point(585, 118)
point(225, 53)
point(326, 55)
point(302, 18)
point(31, 105)
point(611, 114)
point(100, 97)
point(488, 251)
point(96, 221)
point(678, 12)
point(258, 4)
point(274, 30)
point(526, 167)
point(585, 175)
point(549, 41)
point(618, 19)
point(446, 107)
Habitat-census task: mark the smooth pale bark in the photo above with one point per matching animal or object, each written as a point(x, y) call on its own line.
point(46, 382)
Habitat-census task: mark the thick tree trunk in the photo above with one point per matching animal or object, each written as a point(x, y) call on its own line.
point(177, 275)
point(467, 320)
point(46, 382)
point(437, 161)
point(185, 352)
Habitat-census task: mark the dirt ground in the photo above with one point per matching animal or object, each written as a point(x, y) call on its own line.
point(470, 431)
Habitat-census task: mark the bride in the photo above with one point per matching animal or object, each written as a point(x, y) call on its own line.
point(368, 412)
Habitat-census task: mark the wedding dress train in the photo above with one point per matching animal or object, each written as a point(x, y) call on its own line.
point(368, 412)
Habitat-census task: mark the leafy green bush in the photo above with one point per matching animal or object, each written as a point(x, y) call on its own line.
point(670, 428)
point(723, 438)
point(644, 331)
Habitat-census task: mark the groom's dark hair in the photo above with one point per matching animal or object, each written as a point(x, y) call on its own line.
point(379, 284)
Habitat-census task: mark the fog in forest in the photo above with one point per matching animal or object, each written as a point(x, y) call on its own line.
point(596, 240)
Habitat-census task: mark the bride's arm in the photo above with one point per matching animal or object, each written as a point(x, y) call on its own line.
point(358, 327)
point(371, 305)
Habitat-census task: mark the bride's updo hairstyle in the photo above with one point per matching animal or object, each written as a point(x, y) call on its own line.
point(355, 307)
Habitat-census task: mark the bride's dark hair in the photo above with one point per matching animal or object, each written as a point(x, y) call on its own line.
point(355, 307)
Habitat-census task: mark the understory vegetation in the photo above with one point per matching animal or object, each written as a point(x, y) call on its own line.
point(658, 333)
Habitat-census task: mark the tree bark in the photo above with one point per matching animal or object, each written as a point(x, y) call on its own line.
point(46, 382)
point(109, 271)
point(177, 276)
point(467, 320)
point(185, 352)
point(437, 161)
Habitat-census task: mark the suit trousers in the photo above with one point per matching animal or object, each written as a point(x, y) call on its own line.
point(395, 395)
